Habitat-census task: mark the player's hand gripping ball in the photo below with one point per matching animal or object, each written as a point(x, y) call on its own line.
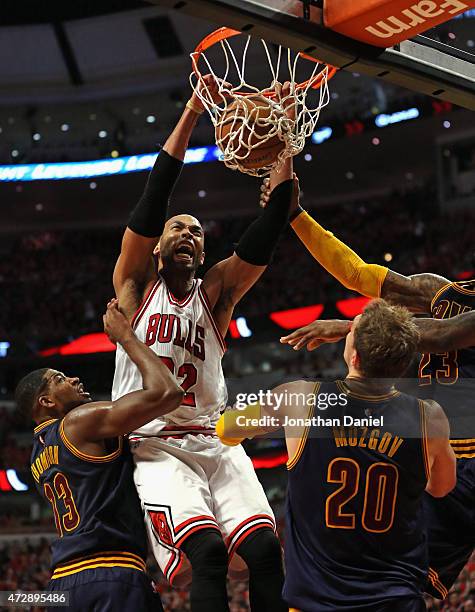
point(213, 88)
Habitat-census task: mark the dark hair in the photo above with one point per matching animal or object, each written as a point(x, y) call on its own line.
point(28, 390)
point(386, 340)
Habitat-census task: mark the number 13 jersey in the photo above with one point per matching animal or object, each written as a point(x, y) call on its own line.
point(184, 334)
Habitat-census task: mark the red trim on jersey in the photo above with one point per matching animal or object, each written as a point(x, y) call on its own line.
point(184, 430)
point(264, 519)
point(144, 305)
point(193, 519)
point(207, 306)
point(170, 561)
point(173, 300)
point(173, 433)
point(180, 436)
point(248, 520)
point(183, 427)
point(177, 568)
point(247, 533)
point(188, 433)
point(194, 530)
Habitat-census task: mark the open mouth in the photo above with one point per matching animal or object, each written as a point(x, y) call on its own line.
point(83, 391)
point(184, 251)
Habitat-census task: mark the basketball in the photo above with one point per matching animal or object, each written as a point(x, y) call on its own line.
point(246, 122)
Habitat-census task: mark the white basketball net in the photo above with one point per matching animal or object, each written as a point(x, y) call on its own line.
point(249, 129)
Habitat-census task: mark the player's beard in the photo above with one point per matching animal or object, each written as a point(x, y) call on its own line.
point(170, 263)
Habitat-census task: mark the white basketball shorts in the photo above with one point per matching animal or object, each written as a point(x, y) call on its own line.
point(195, 482)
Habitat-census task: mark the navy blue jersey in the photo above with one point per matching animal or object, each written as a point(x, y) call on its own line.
point(95, 505)
point(449, 378)
point(355, 534)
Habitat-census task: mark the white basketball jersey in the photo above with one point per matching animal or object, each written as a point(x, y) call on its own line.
point(185, 335)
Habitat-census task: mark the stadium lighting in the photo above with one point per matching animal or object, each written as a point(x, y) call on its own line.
point(138, 163)
point(4, 346)
point(99, 167)
point(151, 119)
point(64, 127)
point(321, 135)
point(36, 136)
point(15, 482)
point(383, 120)
point(243, 327)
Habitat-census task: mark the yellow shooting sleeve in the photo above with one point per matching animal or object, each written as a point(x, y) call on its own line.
point(338, 259)
point(232, 431)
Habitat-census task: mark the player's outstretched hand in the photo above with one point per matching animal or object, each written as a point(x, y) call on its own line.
point(226, 420)
point(265, 193)
point(317, 333)
point(116, 325)
point(285, 96)
point(214, 90)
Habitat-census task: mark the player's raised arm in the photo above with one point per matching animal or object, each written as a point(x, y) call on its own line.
point(414, 292)
point(442, 461)
point(228, 281)
point(160, 395)
point(135, 271)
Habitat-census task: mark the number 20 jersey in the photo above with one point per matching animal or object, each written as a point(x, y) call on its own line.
point(355, 533)
point(184, 334)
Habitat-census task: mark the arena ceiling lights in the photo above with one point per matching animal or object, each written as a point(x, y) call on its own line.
point(141, 163)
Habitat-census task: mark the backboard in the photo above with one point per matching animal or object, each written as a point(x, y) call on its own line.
point(421, 64)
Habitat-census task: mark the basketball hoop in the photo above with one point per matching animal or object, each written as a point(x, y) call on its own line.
point(258, 122)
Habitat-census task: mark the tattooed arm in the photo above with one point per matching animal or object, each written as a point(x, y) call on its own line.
point(441, 335)
point(414, 292)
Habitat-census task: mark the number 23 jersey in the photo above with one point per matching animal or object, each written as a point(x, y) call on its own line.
point(448, 378)
point(184, 334)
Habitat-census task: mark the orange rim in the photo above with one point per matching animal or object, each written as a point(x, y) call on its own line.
point(224, 33)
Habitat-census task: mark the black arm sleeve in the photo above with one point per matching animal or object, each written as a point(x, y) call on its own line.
point(149, 216)
point(260, 239)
